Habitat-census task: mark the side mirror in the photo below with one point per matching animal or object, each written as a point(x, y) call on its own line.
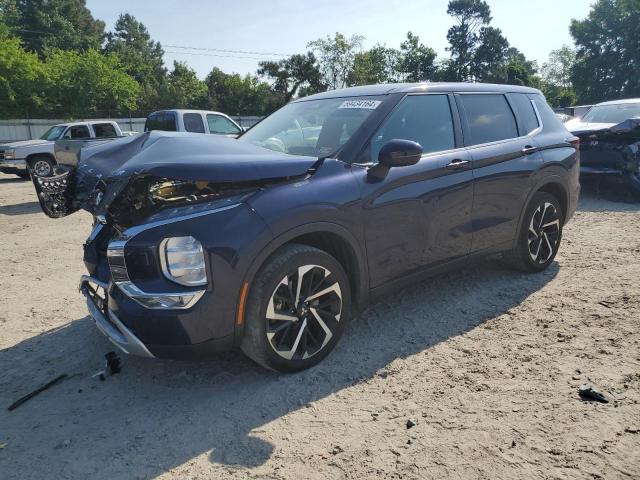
point(399, 153)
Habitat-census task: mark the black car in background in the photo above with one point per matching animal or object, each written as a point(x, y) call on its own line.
point(271, 242)
point(610, 141)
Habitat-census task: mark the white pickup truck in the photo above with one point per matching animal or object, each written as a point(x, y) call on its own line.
point(194, 121)
point(39, 154)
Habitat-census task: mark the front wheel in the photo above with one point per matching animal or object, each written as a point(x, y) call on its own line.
point(540, 234)
point(42, 166)
point(297, 309)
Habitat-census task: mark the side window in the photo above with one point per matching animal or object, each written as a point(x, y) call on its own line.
point(425, 119)
point(489, 118)
point(525, 114)
point(193, 123)
point(221, 125)
point(549, 120)
point(104, 130)
point(77, 131)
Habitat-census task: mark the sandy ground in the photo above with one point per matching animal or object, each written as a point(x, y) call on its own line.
point(485, 361)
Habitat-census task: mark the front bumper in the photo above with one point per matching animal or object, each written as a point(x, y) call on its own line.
point(13, 166)
point(107, 322)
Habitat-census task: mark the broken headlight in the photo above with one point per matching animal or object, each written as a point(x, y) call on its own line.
point(182, 260)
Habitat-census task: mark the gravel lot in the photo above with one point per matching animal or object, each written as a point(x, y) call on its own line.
point(485, 361)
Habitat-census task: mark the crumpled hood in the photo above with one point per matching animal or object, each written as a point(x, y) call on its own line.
point(169, 155)
point(578, 126)
point(24, 143)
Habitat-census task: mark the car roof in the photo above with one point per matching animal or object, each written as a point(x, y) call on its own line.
point(620, 102)
point(385, 89)
point(187, 110)
point(85, 122)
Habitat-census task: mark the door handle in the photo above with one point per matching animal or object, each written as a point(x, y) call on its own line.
point(457, 164)
point(529, 149)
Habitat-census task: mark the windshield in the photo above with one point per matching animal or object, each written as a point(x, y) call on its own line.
point(612, 113)
point(53, 133)
point(315, 128)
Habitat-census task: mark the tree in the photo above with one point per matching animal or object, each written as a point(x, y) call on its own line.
point(417, 60)
point(556, 74)
point(22, 80)
point(557, 70)
point(237, 95)
point(88, 83)
point(607, 62)
point(139, 54)
point(466, 36)
point(336, 57)
point(291, 74)
point(46, 24)
point(377, 65)
point(184, 89)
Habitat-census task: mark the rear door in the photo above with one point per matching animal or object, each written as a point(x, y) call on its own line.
point(505, 155)
point(418, 215)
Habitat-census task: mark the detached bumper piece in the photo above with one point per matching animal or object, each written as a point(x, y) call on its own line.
point(107, 322)
point(55, 193)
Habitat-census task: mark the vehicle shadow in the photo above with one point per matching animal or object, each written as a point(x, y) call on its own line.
point(599, 195)
point(20, 208)
point(156, 415)
point(12, 179)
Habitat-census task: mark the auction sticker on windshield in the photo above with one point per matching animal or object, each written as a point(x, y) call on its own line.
point(367, 104)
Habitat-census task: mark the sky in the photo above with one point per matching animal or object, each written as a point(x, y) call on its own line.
point(271, 29)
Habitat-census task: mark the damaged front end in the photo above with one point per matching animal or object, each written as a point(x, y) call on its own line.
point(157, 199)
point(612, 151)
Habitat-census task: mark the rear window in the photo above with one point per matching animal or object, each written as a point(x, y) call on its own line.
point(193, 122)
point(103, 130)
point(489, 118)
point(549, 119)
point(165, 121)
point(526, 115)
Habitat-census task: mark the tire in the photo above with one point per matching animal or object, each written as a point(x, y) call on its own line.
point(41, 166)
point(540, 235)
point(285, 337)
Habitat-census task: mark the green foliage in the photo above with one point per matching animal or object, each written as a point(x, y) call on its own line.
point(607, 42)
point(467, 36)
point(237, 95)
point(291, 74)
point(417, 61)
point(138, 53)
point(377, 65)
point(47, 24)
point(89, 83)
point(336, 57)
point(184, 89)
point(23, 79)
point(556, 77)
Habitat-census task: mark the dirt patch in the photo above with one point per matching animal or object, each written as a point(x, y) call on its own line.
point(485, 362)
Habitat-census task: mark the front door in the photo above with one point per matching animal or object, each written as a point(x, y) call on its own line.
point(417, 215)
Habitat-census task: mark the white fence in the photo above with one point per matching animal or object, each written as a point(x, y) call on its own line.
point(28, 129)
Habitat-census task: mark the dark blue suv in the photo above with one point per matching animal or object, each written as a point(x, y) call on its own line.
point(271, 242)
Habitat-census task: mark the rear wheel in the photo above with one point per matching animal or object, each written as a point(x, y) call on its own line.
point(297, 309)
point(540, 234)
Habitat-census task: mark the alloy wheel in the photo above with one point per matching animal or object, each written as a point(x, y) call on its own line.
point(544, 233)
point(42, 168)
point(303, 312)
